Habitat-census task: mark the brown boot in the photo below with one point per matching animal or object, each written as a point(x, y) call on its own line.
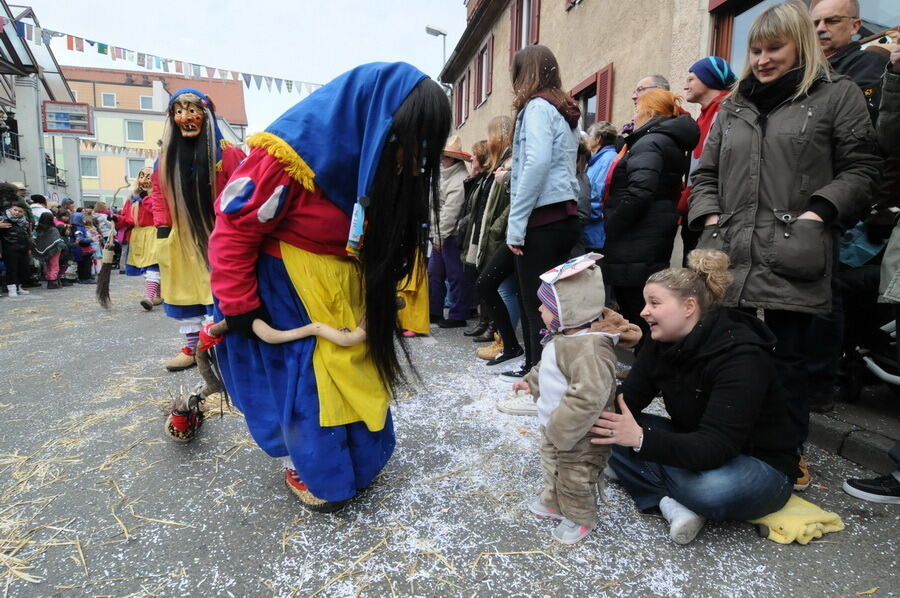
point(147, 303)
point(491, 351)
point(184, 360)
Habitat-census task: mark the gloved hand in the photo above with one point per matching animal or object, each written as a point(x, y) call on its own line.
point(162, 232)
point(243, 323)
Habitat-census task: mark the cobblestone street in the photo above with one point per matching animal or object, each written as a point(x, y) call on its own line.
point(96, 500)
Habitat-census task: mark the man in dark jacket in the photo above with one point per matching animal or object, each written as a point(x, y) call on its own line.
point(837, 21)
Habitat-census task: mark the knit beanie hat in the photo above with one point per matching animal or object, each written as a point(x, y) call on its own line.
point(715, 72)
point(547, 294)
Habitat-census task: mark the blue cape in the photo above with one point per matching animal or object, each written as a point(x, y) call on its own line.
point(340, 129)
point(207, 105)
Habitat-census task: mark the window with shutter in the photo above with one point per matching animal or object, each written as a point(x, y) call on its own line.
point(594, 96)
point(525, 18)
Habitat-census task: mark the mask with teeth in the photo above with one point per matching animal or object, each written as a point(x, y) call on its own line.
point(189, 117)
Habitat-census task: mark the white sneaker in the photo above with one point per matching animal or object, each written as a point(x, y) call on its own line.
point(684, 524)
point(518, 404)
point(11, 289)
point(23, 291)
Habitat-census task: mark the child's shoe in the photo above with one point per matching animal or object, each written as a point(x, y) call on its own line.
point(307, 498)
point(684, 524)
point(22, 291)
point(184, 360)
point(538, 509)
point(569, 532)
point(12, 290)
point(518, 404)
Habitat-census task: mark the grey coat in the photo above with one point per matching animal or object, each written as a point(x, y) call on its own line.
point(888, 135)
point(759, 181)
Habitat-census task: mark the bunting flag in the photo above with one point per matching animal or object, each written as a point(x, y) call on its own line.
point(89, 145)
point(43, 36)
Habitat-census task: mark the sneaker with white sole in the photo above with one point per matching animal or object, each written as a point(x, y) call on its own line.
point(684, 524)
point(518, 405)
point(569, 532)
point(515, 375)
point(884, 489)
point(538, 509)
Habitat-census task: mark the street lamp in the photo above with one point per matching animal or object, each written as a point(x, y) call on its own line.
point(439, 33)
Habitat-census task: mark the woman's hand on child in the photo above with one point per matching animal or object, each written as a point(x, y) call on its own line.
point(617, 428)
point(520, 385)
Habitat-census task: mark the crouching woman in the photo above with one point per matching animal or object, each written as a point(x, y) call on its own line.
point(727, 452)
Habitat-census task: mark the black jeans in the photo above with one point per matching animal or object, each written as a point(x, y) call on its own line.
point(545, 247)
point(18, 266)
point(792, 362)
point(497, 269)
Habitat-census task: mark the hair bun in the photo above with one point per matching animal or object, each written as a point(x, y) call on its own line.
point(712, 266)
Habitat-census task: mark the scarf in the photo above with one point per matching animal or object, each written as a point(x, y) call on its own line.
point(564, 105)
point(767, 96)
point(20, 220)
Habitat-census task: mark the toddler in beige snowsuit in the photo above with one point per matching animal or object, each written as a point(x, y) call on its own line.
point(573, 383)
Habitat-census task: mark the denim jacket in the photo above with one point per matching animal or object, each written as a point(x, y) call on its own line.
point(543, 168)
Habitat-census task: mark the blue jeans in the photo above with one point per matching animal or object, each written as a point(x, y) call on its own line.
point(742, 489)
point(509, 292)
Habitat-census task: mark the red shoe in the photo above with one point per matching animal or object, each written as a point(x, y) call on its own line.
point(409, 334)
point(307, 498)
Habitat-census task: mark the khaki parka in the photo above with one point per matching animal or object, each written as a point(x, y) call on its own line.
point(759, 175)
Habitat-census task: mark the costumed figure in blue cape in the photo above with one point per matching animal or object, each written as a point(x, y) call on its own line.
point(322, 223)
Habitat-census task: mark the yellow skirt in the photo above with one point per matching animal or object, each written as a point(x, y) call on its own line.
point(183, 272)
point(350, 388)
point(415, 316)
point(142, 249)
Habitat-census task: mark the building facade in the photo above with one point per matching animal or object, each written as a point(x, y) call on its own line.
point(129, 118)
point(604, 47)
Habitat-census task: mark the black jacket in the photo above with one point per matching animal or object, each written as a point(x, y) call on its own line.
point(721, 390)
point(641, 215)
point(865, 69)
point(17, 238)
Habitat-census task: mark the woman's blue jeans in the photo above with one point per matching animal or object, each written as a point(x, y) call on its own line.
point(509, 292)
point(742, 489)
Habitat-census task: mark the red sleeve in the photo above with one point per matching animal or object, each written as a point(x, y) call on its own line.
point(247, 211)
point(124, 220)
point(158, 202)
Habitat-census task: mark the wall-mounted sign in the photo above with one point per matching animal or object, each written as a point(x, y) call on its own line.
point(72, 118)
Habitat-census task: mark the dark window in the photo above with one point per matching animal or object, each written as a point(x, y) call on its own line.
point(483, 72)
point(594, 96)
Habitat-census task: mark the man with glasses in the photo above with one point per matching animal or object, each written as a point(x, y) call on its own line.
point(837, 21)
point(643, 86)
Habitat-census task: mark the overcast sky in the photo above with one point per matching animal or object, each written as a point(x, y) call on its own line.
point(291, 39)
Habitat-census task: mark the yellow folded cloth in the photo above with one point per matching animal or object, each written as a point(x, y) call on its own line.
point(801, 521)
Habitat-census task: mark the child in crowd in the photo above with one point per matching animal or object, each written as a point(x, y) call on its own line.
point(573, 384)
point(48, 247)
point(15, 244)
point(96, 243)
point(82, 252)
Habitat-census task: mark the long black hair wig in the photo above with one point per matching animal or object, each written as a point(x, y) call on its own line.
point(188, 175)
point(403, 191)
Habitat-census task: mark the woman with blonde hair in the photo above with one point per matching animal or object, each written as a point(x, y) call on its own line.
point(496, 284)
point(791, 155)
point(644, 183)
point(726, 452)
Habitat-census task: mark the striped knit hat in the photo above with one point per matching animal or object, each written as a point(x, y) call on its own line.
point(547, 294)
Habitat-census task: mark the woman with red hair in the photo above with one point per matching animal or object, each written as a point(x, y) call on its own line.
point(645, 183)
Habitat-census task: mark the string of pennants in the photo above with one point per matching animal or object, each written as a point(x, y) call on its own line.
point(42, 36)
point(117, 149)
